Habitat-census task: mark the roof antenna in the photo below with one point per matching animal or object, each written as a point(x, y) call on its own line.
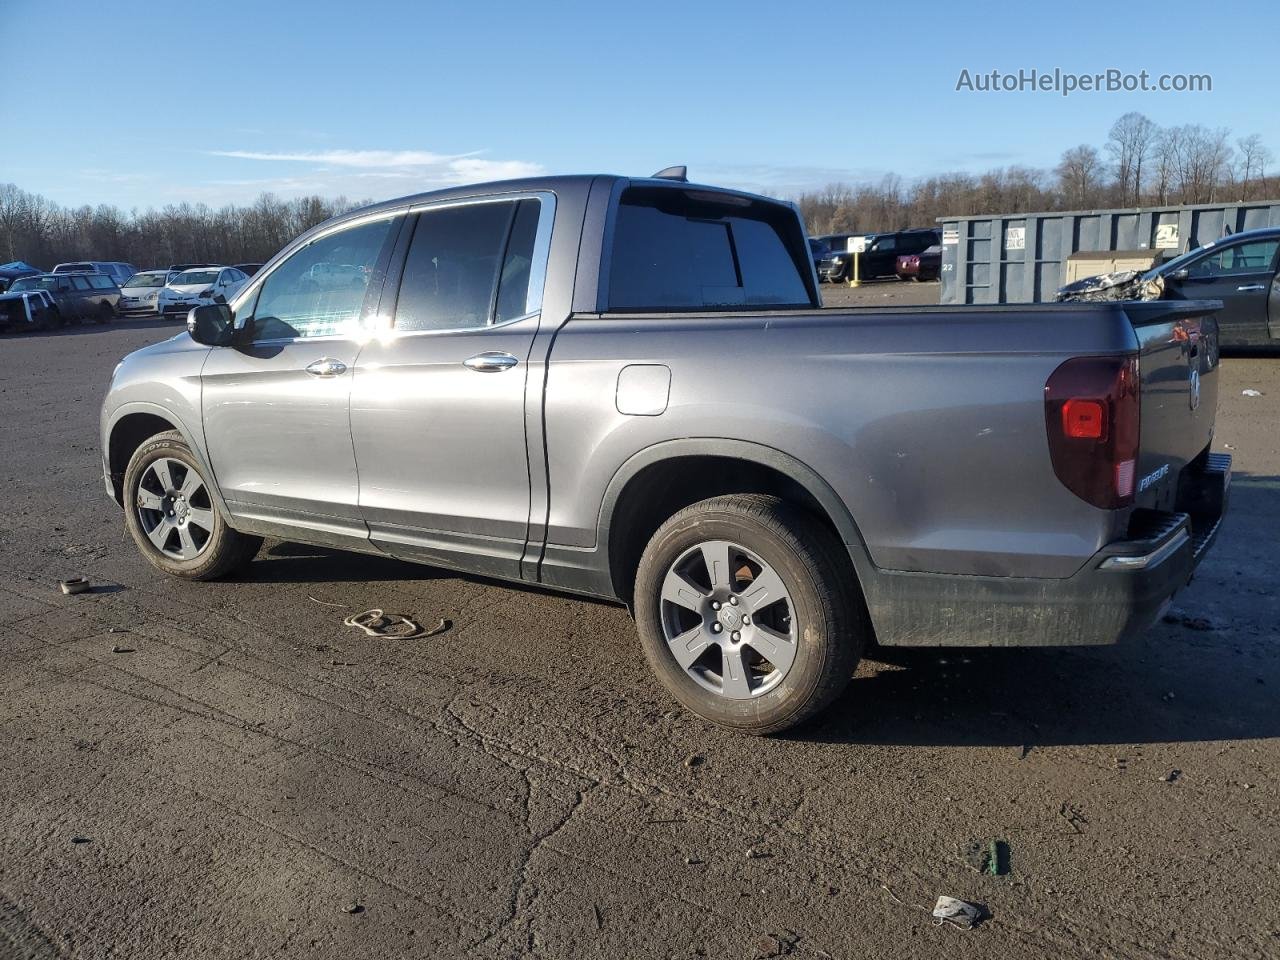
point(673, 173)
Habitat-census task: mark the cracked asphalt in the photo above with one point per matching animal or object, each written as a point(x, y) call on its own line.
point(225, 771)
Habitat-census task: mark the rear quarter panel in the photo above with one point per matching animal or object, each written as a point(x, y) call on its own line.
point(929, 425)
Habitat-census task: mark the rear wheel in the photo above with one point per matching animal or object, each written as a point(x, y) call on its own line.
point(105, 313)
point(748, 612)
point(171, 516)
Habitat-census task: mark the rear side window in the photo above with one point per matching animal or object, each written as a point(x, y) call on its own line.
point(468, 266)
point(674, 250)
point(81, 283)
point(101, 283)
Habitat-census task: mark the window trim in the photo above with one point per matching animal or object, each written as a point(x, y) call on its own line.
point(537, 267)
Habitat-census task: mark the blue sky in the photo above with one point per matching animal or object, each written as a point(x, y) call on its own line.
point(215, 103)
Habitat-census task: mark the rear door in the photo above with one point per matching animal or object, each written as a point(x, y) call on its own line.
point(277, 408)
point(438, 411)
point(82, 296)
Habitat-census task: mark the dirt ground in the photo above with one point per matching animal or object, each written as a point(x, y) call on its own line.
point(225, 771)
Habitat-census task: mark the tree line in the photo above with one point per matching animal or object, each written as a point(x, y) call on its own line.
point(1140, 164)
point(43, 233)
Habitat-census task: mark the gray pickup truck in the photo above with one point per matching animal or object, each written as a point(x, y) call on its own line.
point(627, 388)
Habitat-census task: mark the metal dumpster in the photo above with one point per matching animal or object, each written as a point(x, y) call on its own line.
point(1021, 258)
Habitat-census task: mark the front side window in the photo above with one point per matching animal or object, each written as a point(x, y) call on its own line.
point(320, 290)
point(81, 283)
point(101, 283)
point(884, 245)
point(673, 251)
point(468, 266)
point(1253, 257)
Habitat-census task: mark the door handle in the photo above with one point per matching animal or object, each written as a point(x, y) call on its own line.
point(490, 362)
point(327, 367)
point(1251, 288)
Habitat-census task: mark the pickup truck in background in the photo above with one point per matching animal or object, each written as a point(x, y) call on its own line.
point(628, 388)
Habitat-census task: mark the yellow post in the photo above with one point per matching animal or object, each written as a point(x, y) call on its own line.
point(853, 280)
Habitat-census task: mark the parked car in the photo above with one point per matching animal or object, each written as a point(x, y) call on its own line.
point(925, 265)
point(140, 294)
point(78, 296)
point(1240, 270)
point(28, 310)
point(248, 269)
point(117, 271)
point(817, 250)
point(628, 389)
point(15, 270)
point(200, 285)
point(880, 259)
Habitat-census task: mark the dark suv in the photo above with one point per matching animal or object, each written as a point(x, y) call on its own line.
point(880, 258)
point(78, 296)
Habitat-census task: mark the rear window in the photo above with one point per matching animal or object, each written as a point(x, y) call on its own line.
point(676, 250)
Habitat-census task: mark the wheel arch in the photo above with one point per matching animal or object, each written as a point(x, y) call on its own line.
point(662, 479)
point(134, 424)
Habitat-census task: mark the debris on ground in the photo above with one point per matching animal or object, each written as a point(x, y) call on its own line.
point(353, 908)
point(776, 945)
point(378, 623)
point(694, 760)
point(82, 840)
point(1190, 622)
point(990, 857)
point(1251, 393)
point(1171, 776)
point(325, 603)
point(959, 913)
point(74, 585)
point(117, 648)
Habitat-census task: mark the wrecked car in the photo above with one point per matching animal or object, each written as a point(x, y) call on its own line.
point(28, 310)
point(1240, 270)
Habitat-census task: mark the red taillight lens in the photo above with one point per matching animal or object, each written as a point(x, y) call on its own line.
point(1084, 419)
point(1091, 407)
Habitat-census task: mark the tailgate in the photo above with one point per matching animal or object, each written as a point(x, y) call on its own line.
point(1178, 363)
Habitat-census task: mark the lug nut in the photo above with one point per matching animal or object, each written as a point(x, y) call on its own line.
point(735, 636)
point(746, 620)
point(734, 601)
point(716, 628)
point(715, 604)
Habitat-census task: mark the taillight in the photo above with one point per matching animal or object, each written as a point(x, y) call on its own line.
point(1091, 409)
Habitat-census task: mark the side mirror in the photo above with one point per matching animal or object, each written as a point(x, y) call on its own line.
point(1182, 274)
point(211, 324)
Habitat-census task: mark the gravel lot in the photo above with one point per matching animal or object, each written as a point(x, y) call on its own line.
point(224, 770)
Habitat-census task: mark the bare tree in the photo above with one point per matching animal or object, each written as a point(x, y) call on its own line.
point(1252, 165)
point(1130, 144)
point(1080, 175)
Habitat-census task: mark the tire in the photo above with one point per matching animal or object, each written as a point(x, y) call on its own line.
point(764, 541)
point(105, 314)
point(216, 550)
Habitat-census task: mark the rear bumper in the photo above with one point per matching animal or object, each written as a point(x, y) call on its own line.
point(1120, 592)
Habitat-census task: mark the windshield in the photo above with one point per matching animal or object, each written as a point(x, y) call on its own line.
point(145, 280)
point(33, 283)
point(192, 277)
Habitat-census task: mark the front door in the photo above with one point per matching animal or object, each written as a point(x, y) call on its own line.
point(277, 407)
point(439, 402)
point(1240, 275)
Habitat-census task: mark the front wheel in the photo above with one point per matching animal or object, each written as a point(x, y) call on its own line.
point(748, 612)
point(171, 516)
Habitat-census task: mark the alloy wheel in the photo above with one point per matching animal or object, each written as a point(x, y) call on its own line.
point(174, 509)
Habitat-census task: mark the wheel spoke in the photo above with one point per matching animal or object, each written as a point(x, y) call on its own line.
point(148, 500)
point(161, 471)
point(777, 648)
point(715, 554)
point(201, 518)
point(191, 484)
point(678, 589)
point(689, 646)
point(187, 546)
point(765, 589)
point(733, 678)
point(159, 534)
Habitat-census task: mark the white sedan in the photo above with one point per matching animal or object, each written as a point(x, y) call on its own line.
point(191, 288)
point(139, 295)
